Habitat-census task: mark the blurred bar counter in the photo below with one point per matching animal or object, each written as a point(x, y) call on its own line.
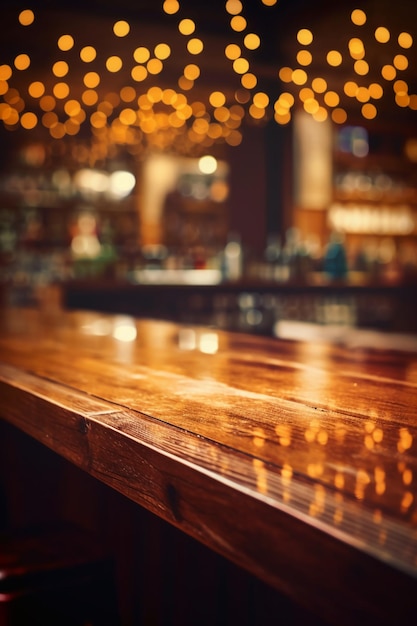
point(254, 306)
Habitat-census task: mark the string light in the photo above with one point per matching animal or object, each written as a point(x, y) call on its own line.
point(88, 54)
point(65, 42)
point(318, 97)
point(359, 64)
point(121, 28)
point(26, 17)
point(358, 17)
point(22, 62)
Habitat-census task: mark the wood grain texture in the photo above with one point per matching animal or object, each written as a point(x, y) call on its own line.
point(295, 460)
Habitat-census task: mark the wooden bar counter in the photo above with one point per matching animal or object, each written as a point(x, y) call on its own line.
point(297, 461)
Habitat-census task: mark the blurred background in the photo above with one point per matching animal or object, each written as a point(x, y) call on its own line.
point(248, 165)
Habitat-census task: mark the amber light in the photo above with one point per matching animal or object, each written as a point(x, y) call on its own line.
point(65, 43)
point(88, 54)
point(145, 67)
point(26, 17)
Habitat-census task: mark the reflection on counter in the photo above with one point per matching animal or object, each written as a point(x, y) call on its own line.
point(317, 482)
point(347, 335)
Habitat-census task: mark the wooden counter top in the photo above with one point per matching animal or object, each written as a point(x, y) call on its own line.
point(296, 460)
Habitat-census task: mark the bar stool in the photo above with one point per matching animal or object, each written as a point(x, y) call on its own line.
point(55, 575)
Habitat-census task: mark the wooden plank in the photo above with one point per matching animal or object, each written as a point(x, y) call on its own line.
point(221, 499)
point(295, 461)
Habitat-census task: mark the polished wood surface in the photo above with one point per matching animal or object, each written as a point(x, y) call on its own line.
point(295, 460)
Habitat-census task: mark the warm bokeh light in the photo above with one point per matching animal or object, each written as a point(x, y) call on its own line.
point(400, 87)
point(402, 99)
point(121, 28)
point(252, 41)
point(334, 58)
point(382, 34)
point(47, 103)
point(65, 43)
point(128, 116)
point(389, 72)
point(184, 83)
point(331, 98)
point(351, 88)
point(400, 62)
point(28, 120)
point(155, 94)
point(186, 26)
point(311, 105)
point(61, 90)
point(26, 17)
point(49, 119)
point(36, 89)
point(282, 118)
point(234, 7)
point(22, 62)
point(233, 51)
point(238, 23)
point(339, 116)
point(217, 98)
point(162, 51)
point(356, 48)
point(5, 72)
point(304, 57)
point(89, 97)
point(72, 108)
point(305, 94)
point(405, 40)
point(98, 119)
point(139, 73)
point(195, 46)
point(154, 66)
point(57, 131)
point(241, 65)
point(88, 54)
point(12, 96)
point(11, 116)
point(304, 37)
point(249, 80)
point(369, 111)
point(171, 6)
point(60, 69)
point(361, 67)
point(319, 85)
point(169, 114)
point(191, 71)
point(285, 74)
point(91, 80)
point(362, 94)
point(376, 91)
point(141, 54)
point(358, 17)
point(299, 77)
point(127, 94)
point(222, 114)
point(207, 164)
point(114, 64)
point(261, 100)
